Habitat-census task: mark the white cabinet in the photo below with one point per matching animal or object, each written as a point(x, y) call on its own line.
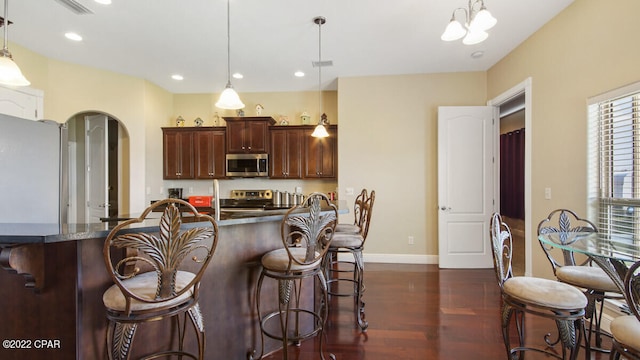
point(26, 103)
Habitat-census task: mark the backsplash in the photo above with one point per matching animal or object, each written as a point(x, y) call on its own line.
point(205, 187)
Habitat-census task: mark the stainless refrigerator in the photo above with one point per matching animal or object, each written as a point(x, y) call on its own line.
point(33, 168)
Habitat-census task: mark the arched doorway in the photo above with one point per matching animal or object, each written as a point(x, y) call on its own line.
point(98, 167)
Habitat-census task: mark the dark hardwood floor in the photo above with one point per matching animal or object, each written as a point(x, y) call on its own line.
point(421, 312)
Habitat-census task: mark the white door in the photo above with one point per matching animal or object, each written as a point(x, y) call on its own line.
point(465, 185)
point(96, 155)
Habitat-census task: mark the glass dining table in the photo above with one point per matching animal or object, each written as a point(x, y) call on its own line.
point(612, 254)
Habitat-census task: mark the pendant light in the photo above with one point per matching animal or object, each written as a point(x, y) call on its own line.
point(320, 131)
point(10, 73)
point(229, 98)
point(477, 20)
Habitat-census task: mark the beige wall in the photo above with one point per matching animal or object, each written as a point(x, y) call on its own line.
point(388, 142)
point(586, 50)
point(387, 136)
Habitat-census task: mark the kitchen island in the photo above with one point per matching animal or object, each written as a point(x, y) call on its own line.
point(54, 277)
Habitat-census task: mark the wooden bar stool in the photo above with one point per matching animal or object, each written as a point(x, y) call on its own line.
point(306, 235)
point(151, 280)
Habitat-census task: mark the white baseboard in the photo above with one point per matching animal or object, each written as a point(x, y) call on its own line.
point(395, 258)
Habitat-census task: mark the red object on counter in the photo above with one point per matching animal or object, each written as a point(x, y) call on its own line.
point(200, 200)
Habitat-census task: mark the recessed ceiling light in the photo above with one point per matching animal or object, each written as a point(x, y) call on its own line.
point(73, 36)
point(477, 54)
point(177, 77)
point(299, 74)
point(237, 76)
point(103, 2)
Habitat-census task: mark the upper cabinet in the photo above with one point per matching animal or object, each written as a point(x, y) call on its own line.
point(177, 149)
point(194, 153)
point(286, 152)
point(21, 102)
point(248, 134)
point(321, 154)
point(210, 147)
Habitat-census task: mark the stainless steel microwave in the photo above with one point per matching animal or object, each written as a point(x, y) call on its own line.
point(247, 165)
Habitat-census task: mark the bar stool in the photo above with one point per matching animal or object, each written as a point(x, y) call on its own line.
point(592, 280)
point(306, 232)
point(522, 295)
point(151, 280)
point(351, 240)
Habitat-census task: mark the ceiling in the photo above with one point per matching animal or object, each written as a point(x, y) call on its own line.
point(270, 39)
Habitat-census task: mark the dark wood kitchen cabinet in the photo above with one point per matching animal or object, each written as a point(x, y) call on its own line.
point(285, 161)
point(210, 147)
point(321, 154)
point(248, 134)
point(178, 159)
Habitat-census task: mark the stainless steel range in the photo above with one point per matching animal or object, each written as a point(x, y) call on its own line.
point(249, 200)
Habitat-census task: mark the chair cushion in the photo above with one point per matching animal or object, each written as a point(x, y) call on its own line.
point(346, 240)
point(588, 277)
point(626, 330)
point(348, 228)
point(545, 292)
point(278, 260)
point(144, 285)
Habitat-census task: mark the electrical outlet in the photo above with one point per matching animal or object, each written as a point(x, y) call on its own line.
point(547, 193)
point(148, 190)
point(161, 190)
point(190, 190)
point(298, 189)
point(349, 191)
point(410, 240)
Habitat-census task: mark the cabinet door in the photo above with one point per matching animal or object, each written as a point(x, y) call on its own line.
point(256, 140)
point(235, 137)
point(210, 148)
point(321, 155)
point(286, 154)
point(178, 154)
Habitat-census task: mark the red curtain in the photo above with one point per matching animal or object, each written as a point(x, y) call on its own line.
point(512, 174)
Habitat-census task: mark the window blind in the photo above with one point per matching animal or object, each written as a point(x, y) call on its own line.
point(614, 163)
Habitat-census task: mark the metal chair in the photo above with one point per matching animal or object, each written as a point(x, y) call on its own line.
point(593, 281)
point(307, 231)
point(357, 216)
point(151, 280)
point(522, 295)
point(350, 239)
point(626, 329)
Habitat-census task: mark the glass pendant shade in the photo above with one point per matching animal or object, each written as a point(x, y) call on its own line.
point(10, 73)
point(475, 37)
point(483, 20)
point(320, 132)
point(454, 31)
point(229, 99)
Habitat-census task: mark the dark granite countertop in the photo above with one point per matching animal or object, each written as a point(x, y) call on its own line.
point(29, 233)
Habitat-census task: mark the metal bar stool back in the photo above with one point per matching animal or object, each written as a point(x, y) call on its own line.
point(307, 231)
point(546, 298)
point(157, 276)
